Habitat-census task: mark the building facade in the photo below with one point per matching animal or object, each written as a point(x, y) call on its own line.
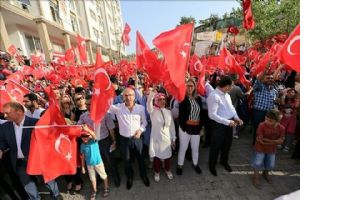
point(46, 26)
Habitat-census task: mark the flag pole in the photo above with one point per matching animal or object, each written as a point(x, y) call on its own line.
point(52, 126)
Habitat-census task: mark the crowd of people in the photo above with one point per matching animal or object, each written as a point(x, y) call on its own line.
point(147, 124)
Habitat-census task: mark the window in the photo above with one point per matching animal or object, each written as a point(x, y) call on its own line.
point(74, 23)
point(92, 14)
point(71, 5)
point(103, 38)
point(53, 4)
point(33, 43)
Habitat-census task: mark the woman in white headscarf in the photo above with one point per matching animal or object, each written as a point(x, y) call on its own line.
point(162, 138)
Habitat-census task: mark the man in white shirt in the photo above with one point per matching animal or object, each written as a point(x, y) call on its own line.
point(223, 118)
point(131, 122)
point(30, 101)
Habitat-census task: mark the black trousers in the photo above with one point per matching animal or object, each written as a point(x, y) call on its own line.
point(128, 145)
point(221, 141)
point(108, 158)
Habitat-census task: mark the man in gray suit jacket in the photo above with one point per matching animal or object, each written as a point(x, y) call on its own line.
point(17, 139)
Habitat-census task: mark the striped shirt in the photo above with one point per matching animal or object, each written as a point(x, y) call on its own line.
point(195, 110)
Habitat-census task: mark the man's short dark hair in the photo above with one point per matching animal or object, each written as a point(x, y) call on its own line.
point(14, 105)
point(224, 81)
point(31, 96)
point(79, 90)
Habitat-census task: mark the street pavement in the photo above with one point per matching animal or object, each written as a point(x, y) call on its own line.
point(235, 185)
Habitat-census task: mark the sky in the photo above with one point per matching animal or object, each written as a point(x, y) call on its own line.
point(151, 18)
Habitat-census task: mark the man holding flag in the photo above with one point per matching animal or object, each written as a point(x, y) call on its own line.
point(17, 139)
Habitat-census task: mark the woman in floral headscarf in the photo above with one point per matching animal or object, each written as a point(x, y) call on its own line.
point(162, 138)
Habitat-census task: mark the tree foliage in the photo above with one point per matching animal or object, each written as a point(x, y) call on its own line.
point(274, 17)
point(187, 20)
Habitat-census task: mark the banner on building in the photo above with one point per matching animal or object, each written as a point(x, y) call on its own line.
point(202, 48)
point(206, 36)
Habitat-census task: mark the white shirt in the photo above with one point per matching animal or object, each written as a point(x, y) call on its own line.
point(18, 135)
point(209, 90)
point(2, 121)
point(36, 114)
point(129, 122)
point(220, 107)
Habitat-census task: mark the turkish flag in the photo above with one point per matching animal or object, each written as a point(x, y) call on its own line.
point(53, 149)
point(78, 81)
point(153, 66)
point(141, 46)
point(226, 61)
point(58, 58)
point(201, 84)
point(196, 66)
point(248, 21)
point(12, 50)
point(38, 73)
point(26, 70)
point(54, 77)
point(262, 64)
point(103, 91)
point(36, 60)
point(17, 91)
point(82, 48)
point(16, 77)
point(175, 45)
point(289, 54)
point(70, 56)
point(4, 97)
point(125, 35)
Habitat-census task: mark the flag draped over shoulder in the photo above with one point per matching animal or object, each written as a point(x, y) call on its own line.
point(53, 149)
point(175, 46)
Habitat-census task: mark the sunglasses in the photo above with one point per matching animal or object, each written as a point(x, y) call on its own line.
point(189, 86)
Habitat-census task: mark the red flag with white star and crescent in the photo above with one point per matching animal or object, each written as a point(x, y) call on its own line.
point(289, 54)
point(175, 45)
point(103, 93)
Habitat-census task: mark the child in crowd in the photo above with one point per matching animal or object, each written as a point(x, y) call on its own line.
point(288, 107)
point(91, 154)
point(269, 134)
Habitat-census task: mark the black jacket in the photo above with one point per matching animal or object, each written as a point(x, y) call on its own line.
point(184, 112)
point(8, 139)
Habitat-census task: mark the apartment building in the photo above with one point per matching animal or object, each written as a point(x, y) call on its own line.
point(52, 25)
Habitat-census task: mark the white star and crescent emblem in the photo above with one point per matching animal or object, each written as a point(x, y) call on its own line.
point(182, 52)
point(198, 66)
point(293, 40)
point(58, 141)
point(103, 71)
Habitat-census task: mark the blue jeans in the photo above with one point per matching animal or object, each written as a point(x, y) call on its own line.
point(29, 185)
point(263, 161)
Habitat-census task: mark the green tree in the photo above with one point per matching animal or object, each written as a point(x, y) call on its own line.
point(273, 17)
point(187, 20)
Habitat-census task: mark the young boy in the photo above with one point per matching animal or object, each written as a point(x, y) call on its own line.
point(90, 152)
point(269, 134)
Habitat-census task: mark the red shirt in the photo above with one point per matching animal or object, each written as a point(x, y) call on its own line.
point(268, 132)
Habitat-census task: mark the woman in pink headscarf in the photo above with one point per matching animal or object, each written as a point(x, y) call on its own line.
point(162, 138)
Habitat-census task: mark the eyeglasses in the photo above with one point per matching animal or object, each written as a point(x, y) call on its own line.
point(161, 99)
point(189, 85)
